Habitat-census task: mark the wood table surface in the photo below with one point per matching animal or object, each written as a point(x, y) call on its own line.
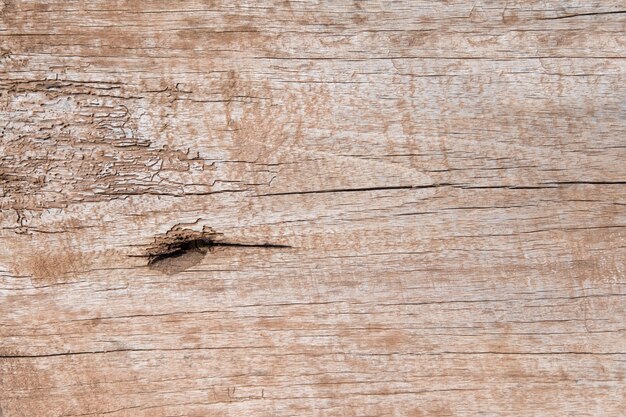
point(312, 208)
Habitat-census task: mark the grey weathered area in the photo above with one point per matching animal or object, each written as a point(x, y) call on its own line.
point(346, 208)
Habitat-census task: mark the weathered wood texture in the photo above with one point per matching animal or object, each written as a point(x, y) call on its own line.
point(407, 208)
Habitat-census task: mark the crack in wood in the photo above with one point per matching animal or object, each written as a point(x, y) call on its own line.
point(181, 248)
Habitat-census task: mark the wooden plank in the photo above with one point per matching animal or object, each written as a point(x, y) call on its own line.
point(344, 208)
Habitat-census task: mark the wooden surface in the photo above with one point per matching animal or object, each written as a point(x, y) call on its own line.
point(325, 208)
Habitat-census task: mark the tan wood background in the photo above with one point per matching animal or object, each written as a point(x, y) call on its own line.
point(324, 208)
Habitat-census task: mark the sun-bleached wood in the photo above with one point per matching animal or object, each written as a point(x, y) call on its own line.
point(338, 208)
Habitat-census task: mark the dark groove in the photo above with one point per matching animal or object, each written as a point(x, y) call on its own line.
point(543, 186)
point(586, 183)
point(442, 353)
point(583, 15)
point(174, 250)
point(95, 352)
point(352, 190)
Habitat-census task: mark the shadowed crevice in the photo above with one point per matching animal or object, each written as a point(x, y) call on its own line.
point(180, 249)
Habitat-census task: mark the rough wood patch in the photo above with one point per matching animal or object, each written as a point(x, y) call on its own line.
point(342, 208)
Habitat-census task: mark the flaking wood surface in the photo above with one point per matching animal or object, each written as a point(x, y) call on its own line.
point(403, 208)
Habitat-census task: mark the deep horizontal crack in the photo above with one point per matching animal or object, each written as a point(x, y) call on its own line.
point(570, 16)
point(179, 248)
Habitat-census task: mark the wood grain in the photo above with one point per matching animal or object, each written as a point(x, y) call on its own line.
point(279, 208)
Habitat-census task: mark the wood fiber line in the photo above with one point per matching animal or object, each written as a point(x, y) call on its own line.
point(279, 208)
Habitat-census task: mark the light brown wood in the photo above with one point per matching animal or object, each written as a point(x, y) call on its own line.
point(338, 208)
